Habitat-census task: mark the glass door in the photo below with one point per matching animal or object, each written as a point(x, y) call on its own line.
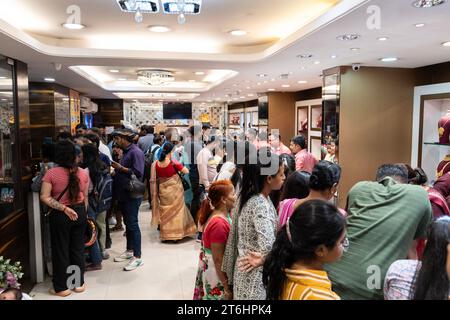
point(8, 191)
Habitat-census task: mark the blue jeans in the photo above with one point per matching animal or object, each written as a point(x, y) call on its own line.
point(130, 211)
point(94, 250)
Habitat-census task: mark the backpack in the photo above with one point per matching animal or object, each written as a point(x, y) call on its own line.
point(101, 197)
point(148, 161)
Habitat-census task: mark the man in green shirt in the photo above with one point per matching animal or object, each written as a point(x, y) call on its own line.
point(385, 217)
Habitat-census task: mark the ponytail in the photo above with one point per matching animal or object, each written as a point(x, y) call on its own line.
point(204, 212)
point(280, 257)
point(74, 184)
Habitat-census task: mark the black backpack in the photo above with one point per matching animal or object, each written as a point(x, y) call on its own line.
point(100, 198)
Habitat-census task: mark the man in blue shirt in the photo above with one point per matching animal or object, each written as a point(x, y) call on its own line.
point(132, 162)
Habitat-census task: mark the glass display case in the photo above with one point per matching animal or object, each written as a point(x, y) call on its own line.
point(331, 110)
point(8, 169)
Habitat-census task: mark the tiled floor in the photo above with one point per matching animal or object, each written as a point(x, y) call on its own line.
point(168, 272)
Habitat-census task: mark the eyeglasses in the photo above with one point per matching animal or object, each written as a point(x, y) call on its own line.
point(345, 244)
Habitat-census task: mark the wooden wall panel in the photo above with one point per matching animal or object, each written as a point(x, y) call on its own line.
point(110, 112)
point(437, 73)
point(282, 114)
point(310, 94)
point(375, 122)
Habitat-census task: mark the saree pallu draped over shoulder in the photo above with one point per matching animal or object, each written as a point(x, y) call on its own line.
point(169, 210)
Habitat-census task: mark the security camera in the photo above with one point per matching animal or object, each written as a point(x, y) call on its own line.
point(356, 66)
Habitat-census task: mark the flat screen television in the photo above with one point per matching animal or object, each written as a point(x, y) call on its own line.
point(263, 107)
point(176, 110)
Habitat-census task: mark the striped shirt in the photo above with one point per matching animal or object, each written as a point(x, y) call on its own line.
point(307, 285)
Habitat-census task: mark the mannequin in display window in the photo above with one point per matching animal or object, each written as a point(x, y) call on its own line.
point(444, 128)
point(443, 167)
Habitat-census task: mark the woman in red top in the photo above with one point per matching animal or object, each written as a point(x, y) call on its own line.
point(68, 219)
point(169, 210)
point(212, 282)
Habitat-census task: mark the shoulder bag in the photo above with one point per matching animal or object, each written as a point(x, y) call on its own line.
point(59, 198)
point(186, 185)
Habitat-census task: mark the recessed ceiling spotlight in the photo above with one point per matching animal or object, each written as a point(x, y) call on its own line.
point(348, 37)
point(305, 56)
point(242, 97)
point(427, 3)
point(49, 79)
point(354, 49)
point(238, 33)
point(199, 73)
point(122, 79)
point(73, 26)
point(419, 25)
point(250, 95)
point(159, 29)
point(302, 82)
point(383, 38)
point(272, 80)
point(285, 86)
point(270, 89)
point(265, 81)
point(2, 77)
point(262, 75)
point(248, 88)
point(316, 62)
point(389, 59)
point(259, 83)
point(333, 56)
point(114, 71)
point(446, 44)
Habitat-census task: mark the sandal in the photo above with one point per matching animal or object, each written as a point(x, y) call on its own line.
point(116, 228)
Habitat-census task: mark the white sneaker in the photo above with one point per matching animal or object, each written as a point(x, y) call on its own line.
point(127, 255)
point(133, 264)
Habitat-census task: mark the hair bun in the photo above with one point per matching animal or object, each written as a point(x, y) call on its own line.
point(314, 180)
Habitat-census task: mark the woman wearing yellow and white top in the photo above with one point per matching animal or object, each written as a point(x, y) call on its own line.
point(313, 236)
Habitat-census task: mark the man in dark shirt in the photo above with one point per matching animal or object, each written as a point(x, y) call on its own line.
point(132, 162)
point(192, 148)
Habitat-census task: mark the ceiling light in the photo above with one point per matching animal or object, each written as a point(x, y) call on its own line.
point(114, 70)
point(199, 73)
point(427, 3)
point(302, 82)
point(285, 86)
point(348, 37)
point(305, 56)
point(158, 29)
point(238, 33)
point(259, 83)
point(389, 59)
point(145, 6)
point(192, 80)
point(155, 77)
point(248, 88)
point(419, 25)
point(73, 26)
point(49, 79)
point(354, 49)
point(316, 62)
point(250, 95)
point(122, 79)
point(181, 7)
point(4, 99)
point(262, 75)
point(272, 80)
point(242, 97)
point(2, 77)
point(383, 38)
point(446, 44)
point(270, 89)
point(333, 56)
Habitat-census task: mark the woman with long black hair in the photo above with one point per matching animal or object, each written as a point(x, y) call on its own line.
point(254, 225)
point(313, 236)
point(428, 279)
point(65, 190)
point(95, 167)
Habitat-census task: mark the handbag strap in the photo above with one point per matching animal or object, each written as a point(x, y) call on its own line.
point(176, 170)
point(57, 199)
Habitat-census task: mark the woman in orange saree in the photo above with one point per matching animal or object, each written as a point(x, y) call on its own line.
point(169, 210)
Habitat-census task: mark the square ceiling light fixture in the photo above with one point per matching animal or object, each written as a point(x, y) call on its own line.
point(181, 6)
point(144, 6)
